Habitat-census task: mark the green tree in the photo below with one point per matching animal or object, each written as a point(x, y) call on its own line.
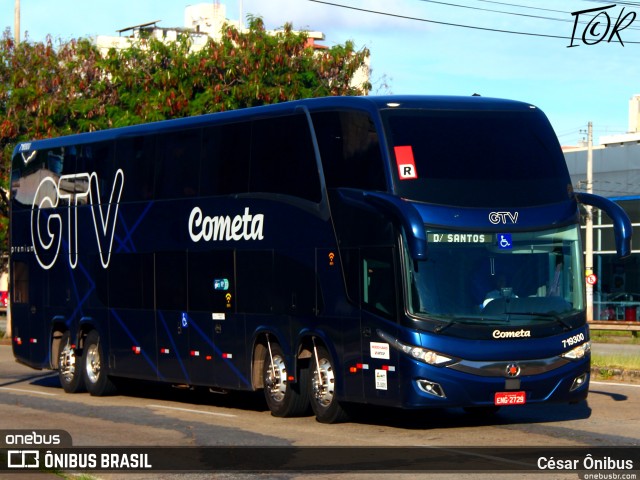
point(47, 91)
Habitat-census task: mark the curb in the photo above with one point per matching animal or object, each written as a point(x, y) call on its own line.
point(615, 374)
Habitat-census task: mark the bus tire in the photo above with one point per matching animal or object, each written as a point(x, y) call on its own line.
point(284, 399)
point(322, 389)
point(95, 368)
point(69, 366)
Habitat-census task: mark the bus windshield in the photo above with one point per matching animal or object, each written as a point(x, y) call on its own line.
point(494, 278)
point(476, 158)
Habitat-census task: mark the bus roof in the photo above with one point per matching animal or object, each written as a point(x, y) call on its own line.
point(371, 104)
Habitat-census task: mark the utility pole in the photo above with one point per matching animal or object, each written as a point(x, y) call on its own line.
point(16, 35)
point(588, 256)
point(16, 21)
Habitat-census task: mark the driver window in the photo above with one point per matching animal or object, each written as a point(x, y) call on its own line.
point(379, 291)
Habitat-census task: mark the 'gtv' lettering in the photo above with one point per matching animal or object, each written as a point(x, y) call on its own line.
point(502, 217)
point(77, 189)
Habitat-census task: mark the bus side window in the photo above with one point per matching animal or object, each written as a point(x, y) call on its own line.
point(20, 282)
point(295, 285)
point(350, 150)
point(224, 167)
point(378, 289)
point(255, 281)
point(100, 158)
point(179, 162)
point(171, 280)
point(62, 160)
point(210, 279)
point(136, 155)
point(282, 158)
point(130, 279)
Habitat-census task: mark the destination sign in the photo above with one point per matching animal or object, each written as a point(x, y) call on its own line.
point(460, 238)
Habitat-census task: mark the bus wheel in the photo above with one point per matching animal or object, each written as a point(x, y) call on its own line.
point(284, 399)
point(69, 366)
point(95, 375)
point(322, 389)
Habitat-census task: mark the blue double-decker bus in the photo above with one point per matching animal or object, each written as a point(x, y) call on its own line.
point(410, 252)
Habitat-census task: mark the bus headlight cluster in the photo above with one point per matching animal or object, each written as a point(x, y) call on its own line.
point(418, 353)
point(426, 356)
point(578, 352)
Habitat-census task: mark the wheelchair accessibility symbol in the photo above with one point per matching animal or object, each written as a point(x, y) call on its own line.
point(504, 241)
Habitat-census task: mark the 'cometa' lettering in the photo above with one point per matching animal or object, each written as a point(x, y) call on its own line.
point(225, 228)
point(512, 334)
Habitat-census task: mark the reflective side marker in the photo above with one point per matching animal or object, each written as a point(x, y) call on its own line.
point(359, 366)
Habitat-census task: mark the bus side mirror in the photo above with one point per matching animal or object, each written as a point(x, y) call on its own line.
point(621, 224)
point(408, 217)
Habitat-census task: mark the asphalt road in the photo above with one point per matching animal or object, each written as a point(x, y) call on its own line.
point(150, 415)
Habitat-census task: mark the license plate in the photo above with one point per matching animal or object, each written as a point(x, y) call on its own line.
point(510, 398)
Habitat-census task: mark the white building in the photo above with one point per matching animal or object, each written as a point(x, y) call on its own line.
point(201, 22)
point(616, 175)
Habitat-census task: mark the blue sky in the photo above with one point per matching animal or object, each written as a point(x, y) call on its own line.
point(414, 56)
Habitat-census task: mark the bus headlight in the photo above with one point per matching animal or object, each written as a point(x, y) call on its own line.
point(426, 356)
point(418, 353)
point(578, 352)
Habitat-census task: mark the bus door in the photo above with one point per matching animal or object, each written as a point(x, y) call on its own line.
point(379, 313)
point(341, 314)
point(249, 308)
point(29, 331)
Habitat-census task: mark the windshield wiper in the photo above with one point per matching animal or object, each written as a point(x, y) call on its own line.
point(468, 321)
point(554, 316)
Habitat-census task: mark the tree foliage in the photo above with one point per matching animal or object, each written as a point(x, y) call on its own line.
point(48, 91)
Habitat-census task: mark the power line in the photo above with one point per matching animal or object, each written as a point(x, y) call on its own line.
point(526, 15)
point(501, 11)
point(523, 6)
point(450, 24)
point(619, 2)
point(460, 25)
point(622, 2)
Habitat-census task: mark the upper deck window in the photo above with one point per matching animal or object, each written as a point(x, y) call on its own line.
point(476, 158)
point(350, 150)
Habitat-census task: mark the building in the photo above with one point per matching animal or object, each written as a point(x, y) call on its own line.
point(616, 175)
point(201, 22)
